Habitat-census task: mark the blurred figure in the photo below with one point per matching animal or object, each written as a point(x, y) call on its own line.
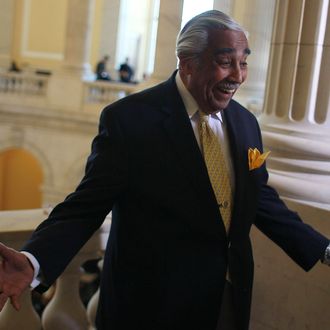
point(101, 69)
point(14, 67)
point(125, 72)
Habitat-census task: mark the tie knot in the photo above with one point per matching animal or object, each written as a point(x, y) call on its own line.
point(204, 118)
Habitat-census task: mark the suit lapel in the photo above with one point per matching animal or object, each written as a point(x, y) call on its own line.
point(237, 143)
point(178, 128)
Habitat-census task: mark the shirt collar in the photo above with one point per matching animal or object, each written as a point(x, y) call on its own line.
point(188, 100)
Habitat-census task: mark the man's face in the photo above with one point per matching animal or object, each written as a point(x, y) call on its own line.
point(221, 68)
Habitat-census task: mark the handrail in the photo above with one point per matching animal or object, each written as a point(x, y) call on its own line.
point(23, 83)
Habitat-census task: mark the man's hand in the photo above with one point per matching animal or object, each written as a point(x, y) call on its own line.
point(16, 274)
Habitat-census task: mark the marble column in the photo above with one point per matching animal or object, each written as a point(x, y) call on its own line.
point(6, 31)
point(169, 24)
point(295, 120)
point(226, 6)
point(65, 87)
point(109, 32)
point(256, 17)
point(78, 35)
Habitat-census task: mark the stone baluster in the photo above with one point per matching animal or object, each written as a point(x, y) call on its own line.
point(65, 310)
point(93, 303)
point(26, 318)
point(13, 232)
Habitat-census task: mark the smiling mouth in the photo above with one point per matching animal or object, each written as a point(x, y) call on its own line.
point(227, 91)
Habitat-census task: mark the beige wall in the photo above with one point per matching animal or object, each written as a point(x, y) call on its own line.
point(40, 33)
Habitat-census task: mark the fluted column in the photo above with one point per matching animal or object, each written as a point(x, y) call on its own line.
point(109, 32)
point(78, 35)
point(295, 121)
point(6, 31)
point(256, 16)
point(169, 24)
point(226, 6)
point(65, 87)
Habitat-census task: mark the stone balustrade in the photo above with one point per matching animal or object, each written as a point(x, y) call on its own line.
point(105, 92)
point(65, 310)
point(23, 83)
point(34, 90)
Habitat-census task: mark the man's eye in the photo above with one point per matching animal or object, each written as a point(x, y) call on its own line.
point(224, 63)
point(244, 64)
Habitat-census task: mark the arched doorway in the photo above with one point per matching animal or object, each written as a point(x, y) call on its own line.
point(21, 177)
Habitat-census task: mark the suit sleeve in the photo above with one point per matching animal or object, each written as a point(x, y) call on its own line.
point(300, 241)
point(71, 223)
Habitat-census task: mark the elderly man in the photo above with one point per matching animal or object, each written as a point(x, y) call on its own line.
point(181, 167)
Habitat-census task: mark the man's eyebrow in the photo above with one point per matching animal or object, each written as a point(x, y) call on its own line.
point(229, 50)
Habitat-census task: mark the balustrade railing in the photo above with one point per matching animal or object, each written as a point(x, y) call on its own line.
point(34, 89)
point(23, 83)
point(106, 92)
point(65, 310)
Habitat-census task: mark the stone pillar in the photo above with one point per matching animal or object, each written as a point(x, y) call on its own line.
point(65, 87)
point(322, 108)
point(78, 35)
point(6, 31)
point(109, 32)
point(169, 24)
point(295, 121)
point(253, 15)
point(226, 6)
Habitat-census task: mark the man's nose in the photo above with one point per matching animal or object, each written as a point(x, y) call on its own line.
point(236, 74)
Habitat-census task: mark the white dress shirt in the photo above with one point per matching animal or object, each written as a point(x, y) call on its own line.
point(215, 121)
point(36, 267)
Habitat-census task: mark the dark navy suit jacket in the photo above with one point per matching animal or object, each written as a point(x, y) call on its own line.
point(167, 255)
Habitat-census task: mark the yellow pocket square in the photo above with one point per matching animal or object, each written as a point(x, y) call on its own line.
point(256, 159)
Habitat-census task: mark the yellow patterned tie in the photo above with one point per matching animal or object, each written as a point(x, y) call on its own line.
point(217, 169)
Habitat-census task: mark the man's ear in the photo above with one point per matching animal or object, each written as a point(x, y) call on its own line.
point(185, 66)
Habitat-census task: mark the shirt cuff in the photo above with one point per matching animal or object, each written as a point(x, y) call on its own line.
point(36, 266)
point(326, 258)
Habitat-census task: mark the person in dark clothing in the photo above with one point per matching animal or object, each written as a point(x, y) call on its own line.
point(101, 69)
point(14, 67)
point(125, 72)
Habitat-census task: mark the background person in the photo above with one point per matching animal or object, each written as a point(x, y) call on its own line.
point(125, 72)
point(101, 69)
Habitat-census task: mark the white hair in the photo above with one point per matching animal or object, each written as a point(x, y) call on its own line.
point(193, 38)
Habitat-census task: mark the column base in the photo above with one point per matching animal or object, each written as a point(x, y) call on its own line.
point(299, 166)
